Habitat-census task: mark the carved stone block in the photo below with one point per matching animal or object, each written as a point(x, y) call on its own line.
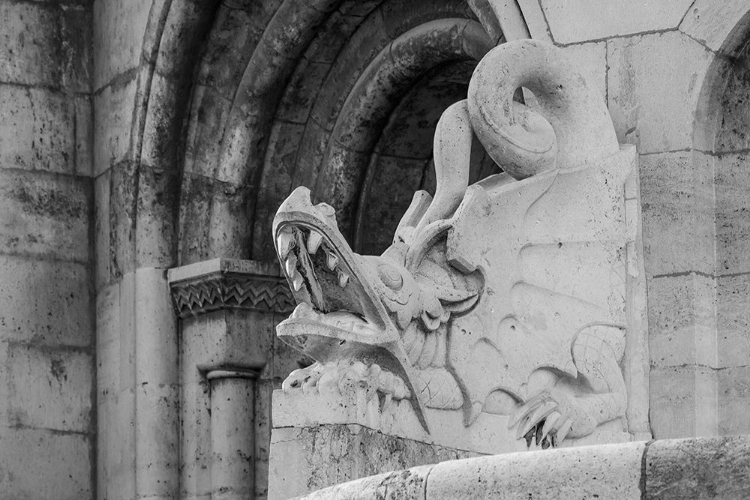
point(506, 315)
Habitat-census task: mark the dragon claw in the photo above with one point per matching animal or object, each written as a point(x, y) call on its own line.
point(544, 418)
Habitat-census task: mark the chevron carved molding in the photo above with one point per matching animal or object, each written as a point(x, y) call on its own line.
point(229, 284)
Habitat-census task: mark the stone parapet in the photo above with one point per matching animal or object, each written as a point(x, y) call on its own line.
point(672, 468)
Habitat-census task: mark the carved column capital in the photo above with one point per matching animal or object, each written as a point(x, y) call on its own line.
point(229, 284)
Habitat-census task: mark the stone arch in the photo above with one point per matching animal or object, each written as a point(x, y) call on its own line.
point(250, 138)
point(721, 161)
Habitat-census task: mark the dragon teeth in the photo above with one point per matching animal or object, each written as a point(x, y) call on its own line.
point(297, 282)
point(285, 242)
point(314, 241)
point(291, 265)
point(332, 260)
point(343, 279)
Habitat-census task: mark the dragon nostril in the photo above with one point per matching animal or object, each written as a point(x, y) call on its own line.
point(390, 276)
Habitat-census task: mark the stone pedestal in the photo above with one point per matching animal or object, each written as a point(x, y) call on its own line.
point(228, 310)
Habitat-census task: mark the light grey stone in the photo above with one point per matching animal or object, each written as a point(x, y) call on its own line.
point(50, 388)
point(608, 471)
point(119, 28)
point(45, 215)
point(38, 463)
point(717, 24)
point(548, 250)
point(113, 110)
point(46, 302)
point(646, 112)
point(573, 21)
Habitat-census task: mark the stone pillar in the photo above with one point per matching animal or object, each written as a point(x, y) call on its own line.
point(232, 433)
point(228, 310)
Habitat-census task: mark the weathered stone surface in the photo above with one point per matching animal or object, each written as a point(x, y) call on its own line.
point(45, 215)
point(646, 112)
point(43, 44)
point(50, 388)
point(582, 20)
point(535, 20)
point(733, 319)
point(46, 302)
point(714, 23)
point(411, 483)
point(45, 464)
point(307, 459)
point(731, 132)
point(119, 28)
point(590, 59)
point(732, 222)
point(113, 112)
point(549, 246)
point(683, 402)
point(38, 130)
point(678, 199)
point(698, 468)
point(734, 398)
point(590, 472)
point(682, 321)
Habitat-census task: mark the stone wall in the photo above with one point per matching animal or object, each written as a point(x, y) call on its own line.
point(663, 70)
point(47, 388)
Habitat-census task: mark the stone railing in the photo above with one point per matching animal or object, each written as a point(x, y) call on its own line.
point(672, 468)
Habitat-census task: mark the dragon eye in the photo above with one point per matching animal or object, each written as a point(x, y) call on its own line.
point(390, 276)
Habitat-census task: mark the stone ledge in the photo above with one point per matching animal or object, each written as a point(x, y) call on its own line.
point(673, 468)
point(229, 284)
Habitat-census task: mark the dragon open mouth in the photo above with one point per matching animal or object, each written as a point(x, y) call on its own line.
point(335, 304)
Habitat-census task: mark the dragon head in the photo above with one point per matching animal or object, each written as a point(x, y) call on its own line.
point(366, 309)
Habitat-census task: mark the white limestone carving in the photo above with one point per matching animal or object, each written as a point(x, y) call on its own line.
point(508, 297)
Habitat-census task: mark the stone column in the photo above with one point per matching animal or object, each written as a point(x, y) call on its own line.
point(228, 310)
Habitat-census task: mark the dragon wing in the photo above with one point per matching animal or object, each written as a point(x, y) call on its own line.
point(552, 254)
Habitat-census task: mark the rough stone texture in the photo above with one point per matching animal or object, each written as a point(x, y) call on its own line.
point(45, 302)
point(545, 251)
point(732, 222)
point(720, 25)
point(698, 468)
point(682, 321)
point(49, 389)
point(733, 319)
point(734, 399)
point(410, 483)
point(588, 472)
point(677, 194)
point(646, 112)
point(590, 59)
point(40, 130)
point(119, 28)
point(307, 459)
point(45, 215)
point(45, 44)
point(113, 108)
point(683, 401)
point(570, 21)
point(47, 367)
point(40, 463)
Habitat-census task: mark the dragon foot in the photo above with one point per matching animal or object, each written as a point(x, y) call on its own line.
point(345, 377)
point(550, 417)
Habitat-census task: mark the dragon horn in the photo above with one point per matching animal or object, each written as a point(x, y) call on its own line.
point(573, 129)
point(452, 153)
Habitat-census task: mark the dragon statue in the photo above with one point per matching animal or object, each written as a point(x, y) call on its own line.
point(507, 296)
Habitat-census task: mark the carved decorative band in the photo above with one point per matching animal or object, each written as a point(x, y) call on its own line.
point(231, 291)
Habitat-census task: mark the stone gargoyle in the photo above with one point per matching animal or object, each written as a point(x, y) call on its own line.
point(507, 296)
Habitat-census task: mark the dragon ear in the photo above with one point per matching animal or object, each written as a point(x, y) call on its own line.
point(419, 205)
